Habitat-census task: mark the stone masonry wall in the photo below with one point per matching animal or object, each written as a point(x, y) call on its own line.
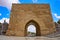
point(23, 13)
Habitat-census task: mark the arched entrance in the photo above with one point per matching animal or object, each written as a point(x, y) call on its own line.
point(32, 22)
point(31, 30)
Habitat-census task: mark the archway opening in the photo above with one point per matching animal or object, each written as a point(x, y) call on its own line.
point(31, 30)
point(35, 25)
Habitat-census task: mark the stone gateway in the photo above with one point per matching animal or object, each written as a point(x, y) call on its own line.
point(23, 15)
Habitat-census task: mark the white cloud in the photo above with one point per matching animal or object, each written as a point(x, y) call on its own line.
point(57, 16)
point(34, 1)
point(2, 20)
point(0, 14)
point(8, 3)
point(15, 1)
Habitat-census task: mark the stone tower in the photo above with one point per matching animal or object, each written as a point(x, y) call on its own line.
point(23, 15)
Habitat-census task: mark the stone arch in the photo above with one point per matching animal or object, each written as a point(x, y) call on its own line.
point(32, 22)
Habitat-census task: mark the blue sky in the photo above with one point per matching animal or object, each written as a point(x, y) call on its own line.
point(5, 7)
